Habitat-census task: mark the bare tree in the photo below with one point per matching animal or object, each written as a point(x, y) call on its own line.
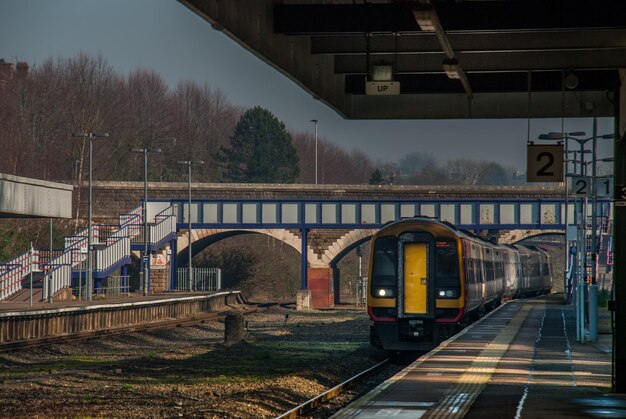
point(335, 165)
point(205, 119)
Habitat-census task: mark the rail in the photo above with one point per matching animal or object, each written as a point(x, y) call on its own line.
point(204, 279)
point(117, 248)
point(329, 394)
point(59, 274)
point(14, 271)
point(164, 226)
point(112, 243)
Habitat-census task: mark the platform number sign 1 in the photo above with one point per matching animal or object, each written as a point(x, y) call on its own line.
point(545, 163)
point(604, 187)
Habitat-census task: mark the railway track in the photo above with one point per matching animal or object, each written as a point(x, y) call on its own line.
point(319, 400)
point(76, 337)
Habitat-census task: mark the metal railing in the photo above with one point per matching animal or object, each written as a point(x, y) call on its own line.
point(204, 279)
point(361, 292)
point(164, 225)
point(117, 248)
point(114, 243)
point(14, 271)
point(114, 287)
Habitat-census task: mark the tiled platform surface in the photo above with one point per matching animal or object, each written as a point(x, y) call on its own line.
point(522, 361)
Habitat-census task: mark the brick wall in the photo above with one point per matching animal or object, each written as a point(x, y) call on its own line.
point(113, 198)
point(158, 279)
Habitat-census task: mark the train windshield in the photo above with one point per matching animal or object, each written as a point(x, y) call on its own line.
point(385, 262)
point(447, 263)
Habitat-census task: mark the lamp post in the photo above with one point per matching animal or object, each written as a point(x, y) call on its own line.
point(190, 163)
point(145, 263)
point(315, 121)
point(582, 236)
point(564, 136)
point(91, 135)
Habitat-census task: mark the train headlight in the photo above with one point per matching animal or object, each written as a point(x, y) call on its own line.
point(384, 292)
point(447, 293)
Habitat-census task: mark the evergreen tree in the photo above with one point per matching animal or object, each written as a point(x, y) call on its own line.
point(376, 178)
point(261, 150)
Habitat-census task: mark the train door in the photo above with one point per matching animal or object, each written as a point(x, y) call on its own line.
point(416, 279)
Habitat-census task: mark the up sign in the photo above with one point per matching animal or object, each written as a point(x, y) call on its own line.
point(544, 163)
point(382, 88)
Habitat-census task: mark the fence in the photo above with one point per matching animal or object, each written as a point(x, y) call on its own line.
point(361, 292)
point(114, 287)
point(204, 279)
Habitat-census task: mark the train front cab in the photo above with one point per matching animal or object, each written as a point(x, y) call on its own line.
point(415, 292)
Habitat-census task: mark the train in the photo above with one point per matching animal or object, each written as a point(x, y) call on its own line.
point(429, 279)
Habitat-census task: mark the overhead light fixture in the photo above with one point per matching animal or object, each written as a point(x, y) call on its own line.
point(571, 81)
point(382, 82)
point(452, 69)
point(382, 72)
point(425, 19)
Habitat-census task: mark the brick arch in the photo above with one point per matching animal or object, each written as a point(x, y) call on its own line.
point(544, 233)
point(345, 244)
point(203, 237)
point(513, 236)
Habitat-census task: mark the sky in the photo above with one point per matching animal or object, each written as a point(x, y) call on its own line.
point(165, 36)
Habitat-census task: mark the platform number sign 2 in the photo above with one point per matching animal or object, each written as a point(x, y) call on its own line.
point(580, 186)
point(545, 163)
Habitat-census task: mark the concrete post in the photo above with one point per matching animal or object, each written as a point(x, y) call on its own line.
point(233, 329)
point(304, 262)
point(173, 264)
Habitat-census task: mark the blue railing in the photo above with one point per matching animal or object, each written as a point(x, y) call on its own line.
point(505, 214)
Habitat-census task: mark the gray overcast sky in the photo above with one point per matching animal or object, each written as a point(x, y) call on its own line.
point(163, 35)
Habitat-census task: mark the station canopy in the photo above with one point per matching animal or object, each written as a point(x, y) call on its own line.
point(438, 58)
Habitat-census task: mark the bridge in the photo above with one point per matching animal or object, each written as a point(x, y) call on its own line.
point(321, 222)
point(324, 222)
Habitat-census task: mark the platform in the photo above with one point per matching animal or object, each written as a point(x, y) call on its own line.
point(521, 361)
point(19, 321)
point(24, 305)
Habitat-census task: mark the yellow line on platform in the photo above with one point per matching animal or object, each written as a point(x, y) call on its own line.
point(461, 397)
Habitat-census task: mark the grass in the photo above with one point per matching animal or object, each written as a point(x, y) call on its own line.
point(266, 357)
point(127, 387)
point(13, 369)
point(260, 361)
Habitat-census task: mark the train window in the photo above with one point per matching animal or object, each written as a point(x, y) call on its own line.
point(447, 263)
point(385, 262)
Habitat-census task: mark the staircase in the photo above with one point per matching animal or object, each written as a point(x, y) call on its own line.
point(111, 250)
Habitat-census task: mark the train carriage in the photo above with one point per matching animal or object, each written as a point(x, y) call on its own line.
point(428, 279)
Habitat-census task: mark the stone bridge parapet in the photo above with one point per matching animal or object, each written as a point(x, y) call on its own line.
point(113, 198)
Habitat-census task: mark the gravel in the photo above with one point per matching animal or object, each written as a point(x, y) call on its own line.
point(287, 357)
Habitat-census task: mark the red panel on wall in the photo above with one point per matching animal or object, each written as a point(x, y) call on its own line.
point(320, 285)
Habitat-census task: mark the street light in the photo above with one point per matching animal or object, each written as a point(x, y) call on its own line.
point(315, 121)
point(144, 259)
point(90, 135)
point(564, 136)
point(582, 224)
point(190, 163)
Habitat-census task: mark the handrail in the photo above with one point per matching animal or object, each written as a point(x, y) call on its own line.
point(117, 248)
point(15, 270)
point(116, 240)
point(165, 225)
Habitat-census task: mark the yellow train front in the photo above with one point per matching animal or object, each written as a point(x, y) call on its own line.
point(426, 279)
